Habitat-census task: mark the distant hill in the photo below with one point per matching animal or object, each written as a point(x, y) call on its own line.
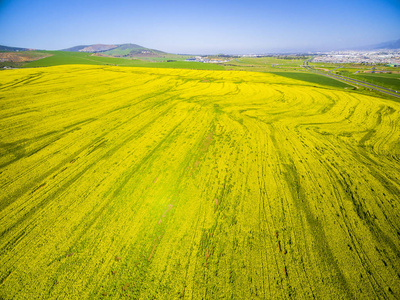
point(127, 50)
point(12, 49)
point(90, 48)
point(122, 50)
point(385, 45)
point(10, 57)
point(75, 48)
point(98, 48)
point(388, 45)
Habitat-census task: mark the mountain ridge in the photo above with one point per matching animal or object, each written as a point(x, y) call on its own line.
point(90, 48)
point(135, 50)
point(14, 49)
point(117, 50)
point(389, 45)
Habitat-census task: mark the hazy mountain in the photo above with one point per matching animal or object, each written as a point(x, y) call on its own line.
point(12, 49)
point(388, 45)
point(385, 45)
point(127, 50)
point(75, 48)
point(90, 48)
point(98, 48)
point(122, 50)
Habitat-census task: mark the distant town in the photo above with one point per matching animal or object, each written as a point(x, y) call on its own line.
point(206, 59)
point(388, 57)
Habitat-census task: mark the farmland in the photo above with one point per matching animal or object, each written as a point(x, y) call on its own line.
point(16, 59)
point(391, 81)
point(71, 58)
point(378, 74)
point(145, 183)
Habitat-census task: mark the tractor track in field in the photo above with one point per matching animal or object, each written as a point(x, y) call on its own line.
point(155, 183)
point(80, 173)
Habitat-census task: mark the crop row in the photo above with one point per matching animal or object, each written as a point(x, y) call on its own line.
point(154, 183)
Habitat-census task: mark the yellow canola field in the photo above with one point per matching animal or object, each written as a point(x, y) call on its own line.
point(140, 183)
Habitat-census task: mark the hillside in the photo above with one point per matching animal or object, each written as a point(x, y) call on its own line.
point(389, 45)
point(133, 50)
point(123, 50)
point(90, 48)
point(75, 48)
point(12, 49)
point(21, 58)
point(97, 48)
point(84, 58)
point(395, 44)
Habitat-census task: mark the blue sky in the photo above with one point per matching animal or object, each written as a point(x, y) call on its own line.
point(200, 27)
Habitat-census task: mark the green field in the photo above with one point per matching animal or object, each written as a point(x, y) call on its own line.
point(145, 183)
point(386, 80)
point(384, 76)
point(283, 67)
point(314, 78)
point(62, 58)
point(18, 59)
point(265, 64)
point(72, 58)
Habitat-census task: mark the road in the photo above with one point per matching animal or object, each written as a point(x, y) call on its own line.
point(352, 81)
